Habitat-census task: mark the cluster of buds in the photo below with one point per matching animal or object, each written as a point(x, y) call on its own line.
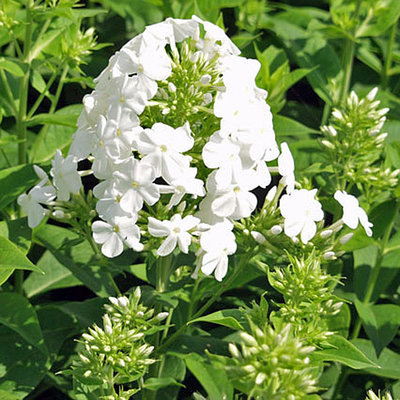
point(372, 396)
point(355, 140)
point(271, 365)
point(118, 353)
point(307, 291)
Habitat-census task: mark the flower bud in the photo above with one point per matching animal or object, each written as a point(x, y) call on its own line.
point(205, 79)
point(337, 114)
point(248, 339)
point(271, 194)
point(107, 325)
point(59, 214)
point(171, 87)
point(327, 233)
point(137, 293)
point(123, 301)
point(276, 230)
point(234, 350)
point(207, 98)
point(329, 255)
point(344, 239)
point(328, 144)
point(161, 316)
point(372, 94)
point(258, 237)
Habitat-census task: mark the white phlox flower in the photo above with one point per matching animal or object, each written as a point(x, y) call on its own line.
point(66, 178)
point(185, 184)
point(139, 156)
point(235, 199)
point(135, 180)
point(163, 146)
point(301, 210)
point(286, 167)
point(352, 212)
point(127, 93)
point(176, 230)
point(222, 154)
point(114, 234)
point(109, 203)
point(215, 40)
point(40, 194)
point(143, 64)
point(217, 244)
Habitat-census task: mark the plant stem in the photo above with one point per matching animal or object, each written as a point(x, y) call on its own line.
point(8, 91)
point(348, 59)
point(21, 116)
point(42, 95)
point(389, 55)
point(208, 304)
point(163, 272)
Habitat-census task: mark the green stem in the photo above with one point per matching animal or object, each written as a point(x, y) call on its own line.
point(21, 116)
point(54, 103)
point(348, 59)
point(8, 91)
point(389, 55)
point(42, 95)
point(208, 304)
point(163, 272)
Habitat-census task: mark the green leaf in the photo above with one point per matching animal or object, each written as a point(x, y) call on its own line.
point(18, 314)
point(364, 260)
point(14, 181)
point(159, 383)
point(52, 119)
point(55, 136)
point(77, 256)
point(340, 322)
point(18, 232)
point(343, 352)
point(229, 318)
point(387, 364)
point(285, 126)
point(384, 17)
point(214, 380)
point(381, 322)
point(56, 276)
point(37, 81)
point(11, 257)
point(22, 365)
point(84, 313)
point(11, 67)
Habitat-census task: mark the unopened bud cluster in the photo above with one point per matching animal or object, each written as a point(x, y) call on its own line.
point(355, 140)
point(272, 363)
point(372, 396)
point(117, 352)
point(309, 302)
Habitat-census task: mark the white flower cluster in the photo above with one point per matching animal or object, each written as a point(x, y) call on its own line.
point(142, 161)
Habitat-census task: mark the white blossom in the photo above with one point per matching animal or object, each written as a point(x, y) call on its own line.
point(301, 210)
point(66, 178)
point(286, 167)
point(162, 146)
point(176, 231)
point(352, 212)
point(115, 233)
point(217, 244)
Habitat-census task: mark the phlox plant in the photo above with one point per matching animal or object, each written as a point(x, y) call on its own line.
point(174, 195)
